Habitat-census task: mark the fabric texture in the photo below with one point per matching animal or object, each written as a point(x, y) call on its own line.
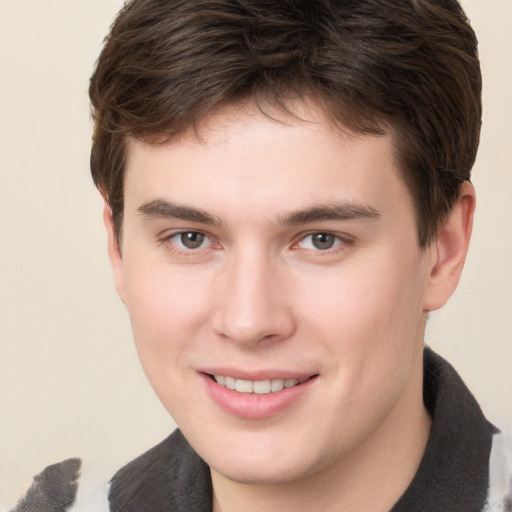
point(454, 472)
point(53, 490)
point(499, 497)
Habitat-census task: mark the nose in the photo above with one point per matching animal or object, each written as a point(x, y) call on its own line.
point(253, 302)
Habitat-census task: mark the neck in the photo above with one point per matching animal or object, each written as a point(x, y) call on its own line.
point(370, 478)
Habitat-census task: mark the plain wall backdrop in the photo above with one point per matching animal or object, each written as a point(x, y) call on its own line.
point(70, 382)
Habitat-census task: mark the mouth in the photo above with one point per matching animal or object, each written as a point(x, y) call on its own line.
point(258, 387)
point(257, 399)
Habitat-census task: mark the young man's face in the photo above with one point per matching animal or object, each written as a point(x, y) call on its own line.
point(269, 252)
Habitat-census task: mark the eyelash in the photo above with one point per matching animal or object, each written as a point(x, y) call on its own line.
point(173, 245)
point(339, 242)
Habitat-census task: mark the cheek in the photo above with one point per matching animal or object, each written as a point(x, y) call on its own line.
point(370, 319)
point(166, 317)
point(353, 302)
point(161, 297)
point(167, 310)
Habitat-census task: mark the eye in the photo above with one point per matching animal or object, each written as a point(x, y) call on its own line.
point(319, 241)
point(189, 240)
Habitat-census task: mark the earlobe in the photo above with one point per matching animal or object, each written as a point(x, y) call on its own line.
point(449, 250)
point(114, 251)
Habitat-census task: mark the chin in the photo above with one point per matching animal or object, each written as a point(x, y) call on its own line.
point(266, 461)
point(262, 472)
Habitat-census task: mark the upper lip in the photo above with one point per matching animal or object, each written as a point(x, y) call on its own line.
point(258, 375)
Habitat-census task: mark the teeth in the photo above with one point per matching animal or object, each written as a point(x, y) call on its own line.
point(290, 383)
point(260, 387)
point(243, 386)
point(277, 385)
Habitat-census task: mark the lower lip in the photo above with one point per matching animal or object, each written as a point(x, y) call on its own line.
point(253, 406)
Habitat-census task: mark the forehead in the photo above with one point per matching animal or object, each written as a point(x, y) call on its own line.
point(244, 158)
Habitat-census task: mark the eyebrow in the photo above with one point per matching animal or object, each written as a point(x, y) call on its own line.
point(159, 208)
point(335, 211)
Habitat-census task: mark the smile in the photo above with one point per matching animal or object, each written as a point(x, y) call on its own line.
point(259, 387)
point(259, 398)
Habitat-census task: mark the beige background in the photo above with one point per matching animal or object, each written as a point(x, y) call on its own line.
point(70, 383)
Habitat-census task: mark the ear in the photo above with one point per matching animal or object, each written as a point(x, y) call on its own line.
point(449, 250)
point(114, 251)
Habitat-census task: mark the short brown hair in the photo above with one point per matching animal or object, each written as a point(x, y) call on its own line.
point(408, 66)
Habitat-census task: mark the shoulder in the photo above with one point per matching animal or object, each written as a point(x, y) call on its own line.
point(68, 486)
point(499, 497)
point(171, 473)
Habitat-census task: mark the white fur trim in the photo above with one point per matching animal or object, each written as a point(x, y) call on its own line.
point(93, 489)
point(500, 474)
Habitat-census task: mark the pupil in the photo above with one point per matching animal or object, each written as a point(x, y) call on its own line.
point(323, 241)
point(192, 240)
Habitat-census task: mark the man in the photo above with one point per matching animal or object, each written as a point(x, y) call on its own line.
point(287, 197)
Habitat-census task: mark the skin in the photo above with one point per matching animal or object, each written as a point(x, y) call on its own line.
point(258, 295)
